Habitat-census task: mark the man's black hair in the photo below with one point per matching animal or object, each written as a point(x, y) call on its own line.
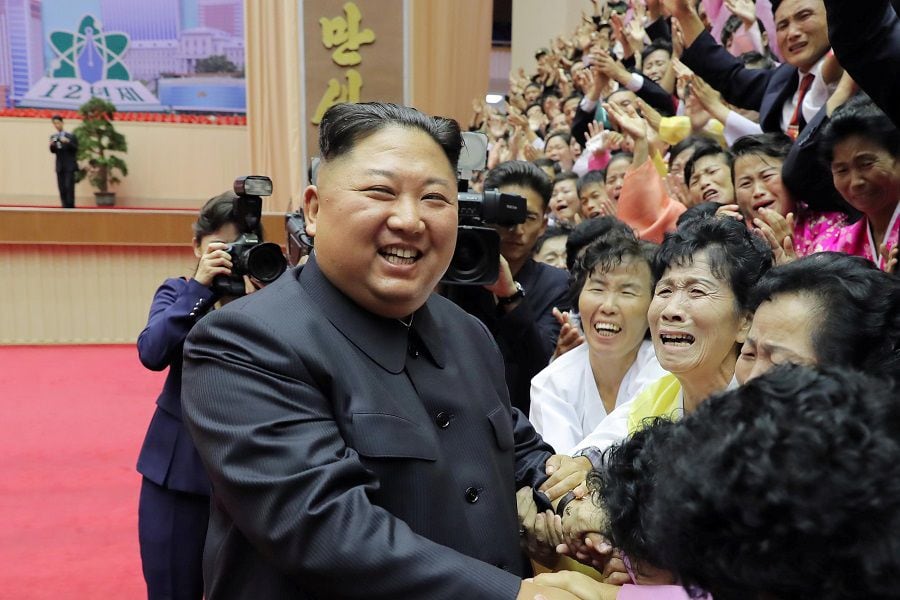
point(655, 45)
point(345, 125)
point(522, 173)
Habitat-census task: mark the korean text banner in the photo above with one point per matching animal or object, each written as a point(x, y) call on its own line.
point(164, 55)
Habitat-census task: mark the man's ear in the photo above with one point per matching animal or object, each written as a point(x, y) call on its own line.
point(311, 209)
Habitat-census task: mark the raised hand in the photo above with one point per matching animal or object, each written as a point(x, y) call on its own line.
point(612, 68)
point(709, 99)
point(569, 335)
point(650, 114)
point(628, 121)
point(745, 10)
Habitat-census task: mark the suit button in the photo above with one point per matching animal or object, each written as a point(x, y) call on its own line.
point(471, 495)
point(442, 419)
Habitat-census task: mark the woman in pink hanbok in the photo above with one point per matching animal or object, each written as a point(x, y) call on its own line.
point(791, 227)
point(862, 145)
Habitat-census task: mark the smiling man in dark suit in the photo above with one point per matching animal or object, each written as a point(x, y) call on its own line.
point(777, 94)
point(355, 426)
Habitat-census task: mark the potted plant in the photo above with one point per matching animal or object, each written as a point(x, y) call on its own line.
point(97, 140)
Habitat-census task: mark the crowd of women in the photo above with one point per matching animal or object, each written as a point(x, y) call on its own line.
point(726, 377)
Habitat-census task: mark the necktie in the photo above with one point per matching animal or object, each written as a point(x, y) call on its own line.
point(793, 129)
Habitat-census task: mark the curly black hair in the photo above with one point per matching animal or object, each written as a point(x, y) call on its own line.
point(622, 488)
point(735, 254)
point(787, 487)
point(858, 309)
point(588, 231)
point(605, 253)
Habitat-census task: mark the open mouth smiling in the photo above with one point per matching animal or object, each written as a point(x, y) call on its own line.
point(399, 255)
point(607, 329)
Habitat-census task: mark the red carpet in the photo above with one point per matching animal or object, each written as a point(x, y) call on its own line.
point(72, 419)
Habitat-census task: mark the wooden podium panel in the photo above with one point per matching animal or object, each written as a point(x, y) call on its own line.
point(115, 227)
point(87, 276)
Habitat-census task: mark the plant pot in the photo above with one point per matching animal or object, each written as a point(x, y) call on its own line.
point(105, 198)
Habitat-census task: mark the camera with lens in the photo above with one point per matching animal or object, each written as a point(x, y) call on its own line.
point(263, 261)
point(476, 259)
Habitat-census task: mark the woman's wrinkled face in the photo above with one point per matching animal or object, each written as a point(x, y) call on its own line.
point(866, 175)
point(782, 332)
point(694, 318)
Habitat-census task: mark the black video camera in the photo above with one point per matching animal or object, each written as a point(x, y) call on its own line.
point(476, 259)
point(262, 261)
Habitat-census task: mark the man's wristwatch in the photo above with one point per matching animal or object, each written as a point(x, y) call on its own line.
point(517, 295)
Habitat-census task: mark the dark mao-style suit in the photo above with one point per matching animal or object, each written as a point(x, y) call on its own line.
point(174, 505)
point(66, 165)
point(762, 90)
point(351, 456)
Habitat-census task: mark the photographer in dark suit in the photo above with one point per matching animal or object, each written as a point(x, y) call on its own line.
point(65, 146)
point(356, 427)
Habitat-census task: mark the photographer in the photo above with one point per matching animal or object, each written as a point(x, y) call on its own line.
point(174, 504)
point(65, 146)
point(518, 308)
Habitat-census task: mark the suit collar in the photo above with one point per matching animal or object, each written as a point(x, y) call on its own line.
point(383, 340)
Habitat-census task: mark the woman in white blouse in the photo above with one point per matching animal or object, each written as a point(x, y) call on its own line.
point(575, 393)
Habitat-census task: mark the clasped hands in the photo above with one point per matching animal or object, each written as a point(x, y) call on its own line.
point(575, 533)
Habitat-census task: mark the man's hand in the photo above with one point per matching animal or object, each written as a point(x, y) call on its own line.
point(505, 286)
point(566, 473)
point(709, 99)
point(629, 122)
point(540, 533)
point(612, 68)
point(650, 114)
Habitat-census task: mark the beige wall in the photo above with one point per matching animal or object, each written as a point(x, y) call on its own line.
point(536, 22)
point(451, 48)
point(170, 165)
